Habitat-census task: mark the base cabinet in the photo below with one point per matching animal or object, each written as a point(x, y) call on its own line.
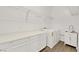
point(71, 39)
point(53, 38)
point(30, 44)
point(78, 44)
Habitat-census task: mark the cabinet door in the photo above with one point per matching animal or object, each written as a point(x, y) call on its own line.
point(35, 43)
point(67, 38)
point(50, 39)
point(78, 44)
point(53, 38)
point(43, 38)
point(38, 42)
point(74, 40)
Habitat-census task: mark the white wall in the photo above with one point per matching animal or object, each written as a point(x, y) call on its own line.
point(42, 10)
point(44, 13)
point(11, 18)
point(62, 18)
point(60, 11)
point(17, 19)
point(62, 23)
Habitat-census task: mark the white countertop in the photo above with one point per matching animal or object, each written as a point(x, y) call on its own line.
point(20, 35)
point(16, 36)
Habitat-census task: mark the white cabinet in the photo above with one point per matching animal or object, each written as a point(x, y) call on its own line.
point(53, 38)
point(43, 39)
point(78, 44)
point(27, 44)
point(71, 39)
point(67, 38)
